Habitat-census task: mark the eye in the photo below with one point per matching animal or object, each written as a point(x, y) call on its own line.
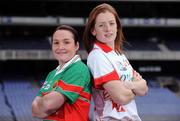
point(55, 42)
point(112, 23)
point(100, 25)
point(66, 42)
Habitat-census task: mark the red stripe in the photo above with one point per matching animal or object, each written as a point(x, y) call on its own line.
point(69, 87)
point(98, 82)
point(118, 107)
point(86, 95)
point(45, 93)
point(103, 46)
point(74, 88)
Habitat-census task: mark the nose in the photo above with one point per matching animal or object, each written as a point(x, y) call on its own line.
point(60, 46)
point(107, 27)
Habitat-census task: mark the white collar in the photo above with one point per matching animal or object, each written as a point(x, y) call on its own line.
point(73, 60)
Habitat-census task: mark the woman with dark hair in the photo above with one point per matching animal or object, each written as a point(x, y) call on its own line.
point(65, 94)
point(116, 83)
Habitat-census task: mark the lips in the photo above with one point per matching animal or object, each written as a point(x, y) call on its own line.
point(108, 34)
point(61, 51)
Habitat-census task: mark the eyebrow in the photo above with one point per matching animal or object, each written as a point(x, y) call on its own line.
point(108, 21)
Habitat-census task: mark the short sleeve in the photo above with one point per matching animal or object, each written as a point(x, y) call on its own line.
point(101, 68)
point(73, 82)
point(46, 88)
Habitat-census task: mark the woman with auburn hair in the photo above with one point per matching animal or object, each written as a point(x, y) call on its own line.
point(116, 83)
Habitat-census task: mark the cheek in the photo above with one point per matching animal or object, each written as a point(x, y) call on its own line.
point(53, 49)
point(97, 33)
point(100, 36)
point(72, 49)
point(115, 34)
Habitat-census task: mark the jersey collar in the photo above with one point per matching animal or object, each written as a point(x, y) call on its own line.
point(73, 60)
point(103, 46)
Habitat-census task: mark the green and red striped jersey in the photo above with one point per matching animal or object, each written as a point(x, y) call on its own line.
point(74, 83)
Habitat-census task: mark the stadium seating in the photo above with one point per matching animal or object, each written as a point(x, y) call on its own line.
point(173, 45)
point(25, 44)
point(141, 45)
point(160, 104)
point(19, 97)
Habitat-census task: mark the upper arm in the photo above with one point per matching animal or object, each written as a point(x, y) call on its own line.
point(118, 92)
point(48, 104)
point(35, 104)
point(101, 69)
point(53, 100)
point(36, 109)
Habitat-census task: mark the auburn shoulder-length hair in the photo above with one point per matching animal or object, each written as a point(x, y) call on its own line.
point(89, 39)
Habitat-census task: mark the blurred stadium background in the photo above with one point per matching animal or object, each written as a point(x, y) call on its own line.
point(152, 31)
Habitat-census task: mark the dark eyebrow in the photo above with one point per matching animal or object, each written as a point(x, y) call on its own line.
point(66, 39)
point(55, 39)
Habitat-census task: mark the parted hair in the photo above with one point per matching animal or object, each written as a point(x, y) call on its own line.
point(70, 29)
point(89, 39)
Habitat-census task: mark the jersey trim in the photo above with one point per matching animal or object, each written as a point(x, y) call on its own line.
point(74, 88)
point(69, 87)
point(103, 46)
point(106, 78)
point(86, 95)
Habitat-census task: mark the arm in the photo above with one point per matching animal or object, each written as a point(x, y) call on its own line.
point(118, 92)
point(105, 76)
point(36, 112)
point(48, 104)
point(138, 85)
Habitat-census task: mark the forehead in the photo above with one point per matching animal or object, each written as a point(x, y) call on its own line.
point(63, 34)
point(105, 16)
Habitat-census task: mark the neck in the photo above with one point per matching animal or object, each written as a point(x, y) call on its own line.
point(72, 60)
point(111, 45)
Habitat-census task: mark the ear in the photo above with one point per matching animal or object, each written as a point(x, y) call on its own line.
point(93, 32)
point(77, 46)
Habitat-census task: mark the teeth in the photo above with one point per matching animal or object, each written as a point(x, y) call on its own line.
point(108, 35)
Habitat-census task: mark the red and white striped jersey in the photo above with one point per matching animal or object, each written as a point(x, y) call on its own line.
point(106, 65)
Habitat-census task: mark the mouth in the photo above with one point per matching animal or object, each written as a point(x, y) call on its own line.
point(108, 35)
point(61, 52)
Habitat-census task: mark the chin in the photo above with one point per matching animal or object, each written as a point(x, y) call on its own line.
point(64, 60)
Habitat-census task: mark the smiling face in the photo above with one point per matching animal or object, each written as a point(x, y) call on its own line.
point(63, 46)
point(105, 29)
